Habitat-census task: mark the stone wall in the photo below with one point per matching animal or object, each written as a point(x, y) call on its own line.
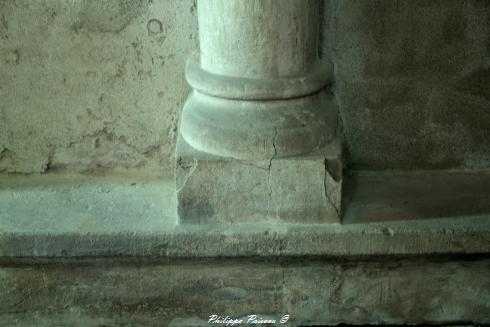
point(413, 81)
point(92, 85)
point(88, 84)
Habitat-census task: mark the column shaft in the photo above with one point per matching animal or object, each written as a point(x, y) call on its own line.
point(257, 38)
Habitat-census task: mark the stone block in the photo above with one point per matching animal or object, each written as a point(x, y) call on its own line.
point(301, 189)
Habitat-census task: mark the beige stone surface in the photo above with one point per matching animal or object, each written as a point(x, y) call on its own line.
point(88, 85)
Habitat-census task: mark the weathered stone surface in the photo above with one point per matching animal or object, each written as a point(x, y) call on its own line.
point(425, 61)
point(393, 292)
point(89, 85)
point(320, 292)
point(66, 204)
point(260, 130)
point(301, 189)
point(412, 81)
point(134, 215)
point(402, 195)
point(80, 90)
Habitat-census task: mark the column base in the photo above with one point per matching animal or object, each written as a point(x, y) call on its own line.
point(300, 189)
point(259, 130)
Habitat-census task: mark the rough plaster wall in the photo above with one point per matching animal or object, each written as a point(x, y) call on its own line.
point(91, 84)
point(413, 81)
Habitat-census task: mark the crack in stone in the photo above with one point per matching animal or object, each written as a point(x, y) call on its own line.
point(246, 163)
point(48, 166)
point(3, 151)
point(327, 196)
point(103, 137)
point(269, 170)
point(189, 168)
point(336, 284)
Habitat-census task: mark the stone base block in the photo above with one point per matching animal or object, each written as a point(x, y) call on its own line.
point(302, 189)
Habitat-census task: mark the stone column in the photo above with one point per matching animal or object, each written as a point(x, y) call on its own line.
point(258, 137)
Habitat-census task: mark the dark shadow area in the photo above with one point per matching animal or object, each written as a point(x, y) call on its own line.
point(377, 196)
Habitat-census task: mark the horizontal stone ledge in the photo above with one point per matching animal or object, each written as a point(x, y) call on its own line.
point(440, 236)
point(134, 215)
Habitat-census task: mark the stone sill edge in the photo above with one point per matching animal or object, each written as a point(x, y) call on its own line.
point(406, 238)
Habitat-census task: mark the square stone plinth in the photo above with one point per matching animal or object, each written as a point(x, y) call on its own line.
point(214, 189)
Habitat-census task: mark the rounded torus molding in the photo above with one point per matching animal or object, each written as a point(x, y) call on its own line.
point(258, 130)
point(246, 88)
